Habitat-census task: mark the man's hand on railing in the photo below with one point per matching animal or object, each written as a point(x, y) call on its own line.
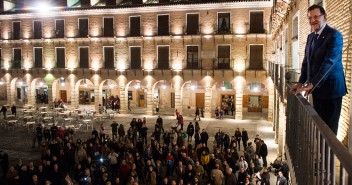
point(299, 88)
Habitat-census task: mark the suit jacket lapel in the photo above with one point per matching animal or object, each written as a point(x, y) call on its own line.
point(319, 41)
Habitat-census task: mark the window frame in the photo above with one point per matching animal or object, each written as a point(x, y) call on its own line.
point(56, 35)
point(35, 32)
point(130, 54)
point(217, 23)
point(113, 56)
point(198, 30)
point(79, 32)
point(198, 58)
point(168, 26)
point(263, 31)
point(57, 55)
point(217, 57)
point(130, 27)
point(34, 57)
point(79, 56)
point(157, 55)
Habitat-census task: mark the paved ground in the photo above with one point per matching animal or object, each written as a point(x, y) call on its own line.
point(18, 143)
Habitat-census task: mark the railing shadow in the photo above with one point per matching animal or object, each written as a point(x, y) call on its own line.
point(313, 152)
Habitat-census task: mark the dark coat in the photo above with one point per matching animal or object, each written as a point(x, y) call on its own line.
point(230, 179)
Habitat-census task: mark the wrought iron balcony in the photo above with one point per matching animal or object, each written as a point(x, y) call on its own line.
point(314, 154)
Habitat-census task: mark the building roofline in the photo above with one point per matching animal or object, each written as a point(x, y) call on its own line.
point(145, 8)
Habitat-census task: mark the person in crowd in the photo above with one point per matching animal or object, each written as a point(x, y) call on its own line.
point(190, 131)
point(4, 110)
point(197, 114)
point(263, 152)
point(238, 136)
point(281, 179)
point(114, 126)
point(230, 178)
point(14, 110)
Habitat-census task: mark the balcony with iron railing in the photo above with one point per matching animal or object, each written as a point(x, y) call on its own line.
point(314, 154)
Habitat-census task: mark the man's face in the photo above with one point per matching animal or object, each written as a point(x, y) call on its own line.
point(316, 19)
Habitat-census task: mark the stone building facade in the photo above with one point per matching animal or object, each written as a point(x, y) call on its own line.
point(174, 55)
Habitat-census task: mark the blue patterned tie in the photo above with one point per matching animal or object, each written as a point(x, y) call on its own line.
point(315, 38)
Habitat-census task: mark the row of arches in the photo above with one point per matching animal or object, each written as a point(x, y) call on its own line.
point(147, 92)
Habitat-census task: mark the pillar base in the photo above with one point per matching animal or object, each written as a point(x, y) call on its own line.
point(123, 111)
point(207, 115)
point(149, 113)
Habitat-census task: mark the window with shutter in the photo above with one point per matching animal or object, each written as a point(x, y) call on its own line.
point(83, 27)
point(108, 27)
point(16, 30)
point(109, 57)
point(60, 28)
point(192, 57)
point(223, 23)
point(163, 25)
point(163, 57)
point(37, 27)
point(17, 58)
point(192, 24)
point(38, 57)
point(84, 57)
point(256, 57)
point(256, 22)
point(223, 57)
point(135, 56)
point(135, 26)
point(60, 58)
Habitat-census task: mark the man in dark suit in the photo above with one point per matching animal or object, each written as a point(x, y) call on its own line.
point(322, 71)
point(281, 180)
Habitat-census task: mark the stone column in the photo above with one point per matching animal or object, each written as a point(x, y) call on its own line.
point(149, 101)
point(239, 103)
point(50, 94)
point(31, 96)
point(97, 96)
point(11, 93)
point(74, 94)
point(178, 100)
point(277, 117)
point(207, 102)
point(281, 129)
point(271, 101)
point(123, 98)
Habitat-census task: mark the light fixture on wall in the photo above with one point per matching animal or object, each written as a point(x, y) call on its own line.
point(137, 86)
point(62, 81)
point(41, 83)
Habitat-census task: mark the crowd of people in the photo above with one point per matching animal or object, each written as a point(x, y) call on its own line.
point(168, 157)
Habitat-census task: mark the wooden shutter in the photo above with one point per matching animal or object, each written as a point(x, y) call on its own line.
point(135, 26)
point(256, 22)
point(38, 57)
point(108, 27)
point(256, 57)
point(109, 57)
point(60, 58)
point(163, 25)
point(83, 58)
point(135, 57)
point(163, 57)
point(192, 24)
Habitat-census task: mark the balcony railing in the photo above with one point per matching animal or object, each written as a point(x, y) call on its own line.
point(314, 154)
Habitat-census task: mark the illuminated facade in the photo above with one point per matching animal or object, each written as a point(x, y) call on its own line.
point(174, 55)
